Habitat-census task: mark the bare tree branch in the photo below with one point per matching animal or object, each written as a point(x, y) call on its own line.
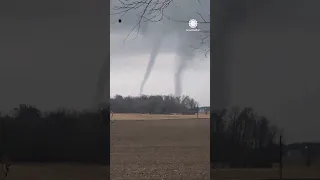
point(139, 22)
point(202, 17)
point(152, 11)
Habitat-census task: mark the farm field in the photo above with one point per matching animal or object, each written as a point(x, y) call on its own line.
point(175, 149)
point(83, 172)
point(160, 149)
point(137, 116)
point(140, 149)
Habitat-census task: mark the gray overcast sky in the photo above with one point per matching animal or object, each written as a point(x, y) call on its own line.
point(275, 55)
point(129, 60)
point(51, 55)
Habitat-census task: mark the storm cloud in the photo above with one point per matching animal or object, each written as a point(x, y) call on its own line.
point(272, 54)
point(161, 48)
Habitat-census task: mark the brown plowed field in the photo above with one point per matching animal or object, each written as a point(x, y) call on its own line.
point(160, 149)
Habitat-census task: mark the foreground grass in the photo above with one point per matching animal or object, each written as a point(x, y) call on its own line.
point(137, 116)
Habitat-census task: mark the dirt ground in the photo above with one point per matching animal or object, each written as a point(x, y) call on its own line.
point(94, 172)
point(154, 150)
point(137, 116)
point(140, 150)
point(160, 149)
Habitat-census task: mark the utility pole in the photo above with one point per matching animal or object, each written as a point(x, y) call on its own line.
point(197, 111)
point(105, 137)
point(2, 140)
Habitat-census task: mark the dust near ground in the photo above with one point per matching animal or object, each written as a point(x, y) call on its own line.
point(160, 149)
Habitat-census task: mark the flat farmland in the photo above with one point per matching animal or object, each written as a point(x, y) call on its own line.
point(151, 149)
point(137, 116)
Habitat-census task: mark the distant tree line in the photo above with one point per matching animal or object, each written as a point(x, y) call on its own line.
point(154, 104)
point(29, 135)
point(241, 138)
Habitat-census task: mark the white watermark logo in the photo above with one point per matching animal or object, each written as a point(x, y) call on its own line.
point(193, 25)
